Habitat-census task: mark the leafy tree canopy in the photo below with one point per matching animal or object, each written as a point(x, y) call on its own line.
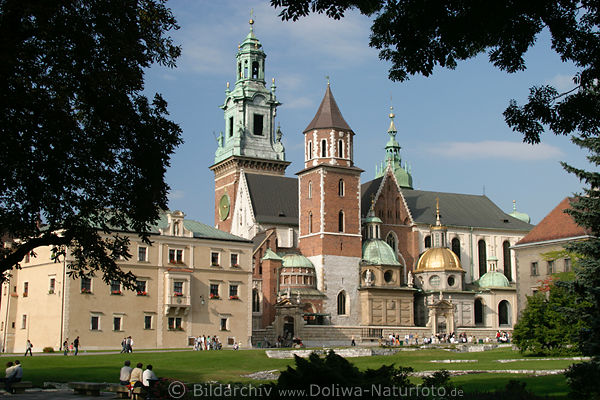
point(83, 152)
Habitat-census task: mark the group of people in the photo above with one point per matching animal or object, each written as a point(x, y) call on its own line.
point(207, 343)
point(137, 377)
point(14, 373)
point(127, 345)
point(502, 337)
point(73, 348)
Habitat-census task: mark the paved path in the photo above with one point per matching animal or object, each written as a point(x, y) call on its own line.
point(91, 353)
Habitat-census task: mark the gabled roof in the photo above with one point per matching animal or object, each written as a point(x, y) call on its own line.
point(328, 115)
point(456, 209)
point(274, 198)
point(556, 225)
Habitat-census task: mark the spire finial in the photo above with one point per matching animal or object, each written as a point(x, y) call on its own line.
point(437, 211)
point(514, 205)
point(251, 22)
point(327, 77)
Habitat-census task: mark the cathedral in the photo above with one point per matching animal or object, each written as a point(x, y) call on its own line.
point(337, 255)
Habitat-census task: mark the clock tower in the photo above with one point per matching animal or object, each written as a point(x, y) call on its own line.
point(251, 142)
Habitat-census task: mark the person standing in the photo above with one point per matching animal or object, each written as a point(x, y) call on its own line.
point(124, 345)
point(28, 348)
point(66, 347)
point(76, 345)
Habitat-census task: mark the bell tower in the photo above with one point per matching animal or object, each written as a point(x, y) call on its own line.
point(250, 143)
point(329, 204)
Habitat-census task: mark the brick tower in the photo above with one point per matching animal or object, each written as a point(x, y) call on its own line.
point(250, 142)
point(329, 204)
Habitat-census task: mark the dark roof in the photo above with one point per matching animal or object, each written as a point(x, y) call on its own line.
point(455, 209)
point(274, 198)
point(556, 225)
point(328, 115)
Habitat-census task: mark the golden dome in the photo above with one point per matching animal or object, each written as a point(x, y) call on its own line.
point(438, 259)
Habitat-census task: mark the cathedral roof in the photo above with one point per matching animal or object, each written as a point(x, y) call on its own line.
point(438, 259)
point(457, 209)
point(274, 198)
point(378, 252)
point(556, 225)
point(328, 115)
point(493, 279)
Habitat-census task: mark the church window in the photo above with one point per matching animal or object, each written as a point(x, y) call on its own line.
point(341, 221)
point(323, 148)
point(310, 189)
point(507, 260)
point(434, 281)
point(456, 247)
point(391, 240)
point(310, 222)
point(478, 312)
point(388, 276)
point(341, 303)
point(482, 257)
point(246, 69)
point(230, 126)
point(451, 280)
point(255, 70)
point(310, 153)
point(341, 188)
point(340, 148)
point(427, 242)
point(258, 124)
point(255, 301)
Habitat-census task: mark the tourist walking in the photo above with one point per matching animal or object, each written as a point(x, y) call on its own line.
point(28, 348)
point(76, 345)
point(66, 347)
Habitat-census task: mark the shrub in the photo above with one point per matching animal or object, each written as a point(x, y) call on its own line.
point(48, 350)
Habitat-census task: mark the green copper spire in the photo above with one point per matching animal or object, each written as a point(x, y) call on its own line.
point(393, 159)
point(250, 108)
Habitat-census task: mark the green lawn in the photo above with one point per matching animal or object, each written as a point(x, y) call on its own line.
point(228, 366)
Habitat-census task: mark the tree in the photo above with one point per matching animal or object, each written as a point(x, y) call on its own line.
point(417, 36)
point(83, 151)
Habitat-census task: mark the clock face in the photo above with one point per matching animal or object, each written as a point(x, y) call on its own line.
point(224, 207)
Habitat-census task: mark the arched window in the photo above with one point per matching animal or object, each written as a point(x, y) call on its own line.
point(340, 149)
point(507, 260)
point(456, 247)
point(341, 221)
point(310, 226)
point(323, 148)
point(310, 189)
point(246, 69)
point(391, 240)
point(504, 313)
point(427, 242)
point(240, 70)
point(310, 154)
point(255, 70)
point(478, 312)
point(255, 301)
point(341, 303)
point(481, 249)
point(341, 188)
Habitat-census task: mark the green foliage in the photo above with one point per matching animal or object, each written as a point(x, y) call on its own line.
point(335, 371)
point(83, 150)
point(48, 350)
point(583, 380)
point(548, 325)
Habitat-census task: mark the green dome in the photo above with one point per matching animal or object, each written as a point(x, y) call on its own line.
point(378, 252)
point(372, 219)
point(492, 279)
point(519, 215)
point(296, 260)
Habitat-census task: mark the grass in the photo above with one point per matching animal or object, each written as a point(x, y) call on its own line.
point(228, 366)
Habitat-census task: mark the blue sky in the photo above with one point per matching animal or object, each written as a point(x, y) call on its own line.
point(450, 125)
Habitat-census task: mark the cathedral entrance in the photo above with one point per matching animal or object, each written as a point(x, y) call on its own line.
point(288, 328)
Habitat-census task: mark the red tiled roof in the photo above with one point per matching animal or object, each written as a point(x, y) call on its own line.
point(556, 225)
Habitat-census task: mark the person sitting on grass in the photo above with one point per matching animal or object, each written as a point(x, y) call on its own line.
point(9, 378)
point(18, 371)
point(125, 375)
point(136, 376)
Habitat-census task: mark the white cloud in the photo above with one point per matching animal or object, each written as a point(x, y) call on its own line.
point(562, 83)
point(497, 150)
point(176, 195)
